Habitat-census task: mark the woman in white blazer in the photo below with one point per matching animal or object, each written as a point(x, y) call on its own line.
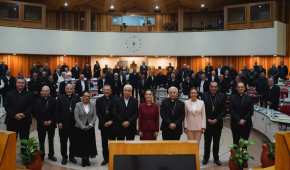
point(195, 118)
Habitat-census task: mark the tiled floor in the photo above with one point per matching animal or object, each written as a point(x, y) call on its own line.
point(226, 140)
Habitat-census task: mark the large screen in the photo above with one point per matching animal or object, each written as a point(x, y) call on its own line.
point(154, 162)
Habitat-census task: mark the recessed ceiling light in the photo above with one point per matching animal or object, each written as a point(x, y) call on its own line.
point(157, 7)
point(65, 4)
point(112, 7)
point(202, 5)
point(260, 6)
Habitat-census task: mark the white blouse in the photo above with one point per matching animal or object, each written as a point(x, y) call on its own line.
point(87, 108)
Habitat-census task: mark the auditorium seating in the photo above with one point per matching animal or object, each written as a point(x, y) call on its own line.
point(7, 150)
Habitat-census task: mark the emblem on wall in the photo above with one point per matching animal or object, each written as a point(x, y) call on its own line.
point(133, 43)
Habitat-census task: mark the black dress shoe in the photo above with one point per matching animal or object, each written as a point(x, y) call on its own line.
point(64, 161)
point(218, 162)
point(204, 161)
point(104, 163)
point(88, 162)
point(73, 160)
point(52, 158)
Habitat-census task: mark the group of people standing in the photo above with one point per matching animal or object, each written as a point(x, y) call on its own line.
point(122, 115)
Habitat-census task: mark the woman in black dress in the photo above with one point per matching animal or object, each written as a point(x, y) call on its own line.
point(85, 116)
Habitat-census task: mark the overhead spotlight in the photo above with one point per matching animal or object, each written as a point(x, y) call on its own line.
point(202, 5)
point(112, 7)
point(65, 4)
point(157, 8)
point(260, 6)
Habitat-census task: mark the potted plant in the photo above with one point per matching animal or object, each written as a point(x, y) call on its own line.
point(268, 154)
point(240, 155)
point(31, 156)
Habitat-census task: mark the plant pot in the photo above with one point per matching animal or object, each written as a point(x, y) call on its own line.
point(37, 162)
point(265, 160)
point(233, 165)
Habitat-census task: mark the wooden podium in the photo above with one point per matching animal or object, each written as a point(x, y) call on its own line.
point(168, 148)
point(7, 150)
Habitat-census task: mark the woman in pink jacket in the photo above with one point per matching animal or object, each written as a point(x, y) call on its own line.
point(195, 119)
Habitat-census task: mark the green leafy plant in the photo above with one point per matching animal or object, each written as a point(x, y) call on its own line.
point(28, 149)
point(271, 146)
point(241, 154)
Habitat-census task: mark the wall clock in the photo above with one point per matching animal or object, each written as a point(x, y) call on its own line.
point(133, 43)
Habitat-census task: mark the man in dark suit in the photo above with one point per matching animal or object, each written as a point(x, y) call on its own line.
point(81, 86)
point(213, 77)
point(214, 109)
point(262, 87)
point(97, 70)
point(106, 111)
point(208, 69)
point(273, 72)
point(44, 110)
point(173, 81)
point(9, 82)
point(203, 84)
point(127, 115)
point(18, 104)
point(151, 82)
point(116, 85)
point(172, 112)
point(66, 122)
point(282, 71)
point(87, 71)
point(142, 86)
point(143, 69)
point(273, 96)
point(133, 80)
point(186, 85)
point(34, 84)
point(67, 80)
point(75, 71)
point(241, 109)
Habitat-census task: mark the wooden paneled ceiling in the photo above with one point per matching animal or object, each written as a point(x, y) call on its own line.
point(139, 5)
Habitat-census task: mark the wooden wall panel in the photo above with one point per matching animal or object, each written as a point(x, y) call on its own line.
point(22, 63)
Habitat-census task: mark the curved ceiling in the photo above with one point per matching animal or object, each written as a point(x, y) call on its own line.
point(139, 5)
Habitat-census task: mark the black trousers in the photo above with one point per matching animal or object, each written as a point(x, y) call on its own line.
point(170, 135)
point(240, 132)
point(106, 134)
point(21, 129)
point(212, 133)
point(65, 135)
point(42, 131)
point(125, 133)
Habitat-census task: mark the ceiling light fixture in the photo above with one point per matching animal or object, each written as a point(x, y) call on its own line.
point(156, 8)
point(112, 7)
point(65, 4)
point(202, 5)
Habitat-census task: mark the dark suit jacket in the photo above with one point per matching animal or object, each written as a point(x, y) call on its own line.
point(219, 108)
point(273, 96)
point(45, 110)
point(241, 107)
point(168, 117)
point(151, 82)
point(65, 110)
point(62, 87)
point(76, 72)
point(103, 104)
point(127, 113)
point(78, 87)
point(16, 102)
point(9, 84)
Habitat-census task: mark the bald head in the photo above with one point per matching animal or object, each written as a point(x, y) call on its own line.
point(69, 89)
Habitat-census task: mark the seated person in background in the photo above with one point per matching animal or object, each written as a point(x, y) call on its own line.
point(81, 85)
point(273, 95)
point(67, 80)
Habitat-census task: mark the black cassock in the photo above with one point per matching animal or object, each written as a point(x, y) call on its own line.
point(241, 107)
point(65, 115)
point(18, 102)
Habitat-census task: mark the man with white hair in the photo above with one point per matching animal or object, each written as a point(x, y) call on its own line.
point(172, 113)
point(127, 113)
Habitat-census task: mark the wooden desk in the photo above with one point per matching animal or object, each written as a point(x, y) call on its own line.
point(7, 150)
point(153, 148)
